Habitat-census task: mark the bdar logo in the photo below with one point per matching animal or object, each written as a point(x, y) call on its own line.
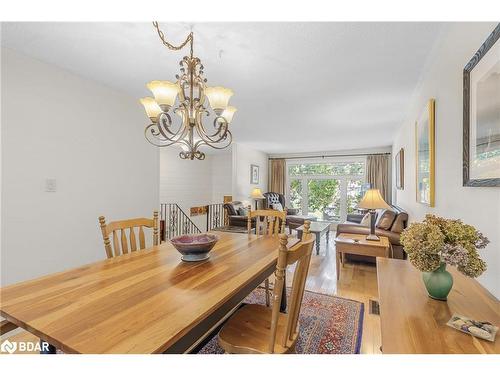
point(9, 347)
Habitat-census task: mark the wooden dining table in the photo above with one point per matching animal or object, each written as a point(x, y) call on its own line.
point(147, 301)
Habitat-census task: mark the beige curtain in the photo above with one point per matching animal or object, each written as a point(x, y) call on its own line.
point(377, 174)
point(277, 176)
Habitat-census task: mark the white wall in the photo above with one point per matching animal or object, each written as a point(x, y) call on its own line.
point(243, 157)
point(90, 139)
point(185, 182)
point(222, 184)
point(443, 81)
point(192, 183)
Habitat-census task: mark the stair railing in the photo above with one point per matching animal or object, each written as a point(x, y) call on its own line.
point(216, 216)
point(175, 222)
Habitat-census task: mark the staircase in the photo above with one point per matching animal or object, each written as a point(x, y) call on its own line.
point(175, 222)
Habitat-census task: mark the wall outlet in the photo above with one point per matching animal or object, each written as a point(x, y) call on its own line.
point(50, 185)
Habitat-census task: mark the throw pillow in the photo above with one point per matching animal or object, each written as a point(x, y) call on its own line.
point(385, 220)
point(242, 211)
point(365, 221)
point(277, 207)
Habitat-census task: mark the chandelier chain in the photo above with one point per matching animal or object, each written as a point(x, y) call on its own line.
point(169, 45)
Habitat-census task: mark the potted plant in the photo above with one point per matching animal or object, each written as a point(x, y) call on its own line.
point(436, 242)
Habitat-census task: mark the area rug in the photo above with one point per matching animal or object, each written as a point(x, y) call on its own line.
point(328, 325)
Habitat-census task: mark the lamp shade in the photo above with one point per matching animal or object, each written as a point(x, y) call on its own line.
point(372, 200)
point(151, 107)
point(256, 194)
point(164, 92)
point(229, 113)
point(218, 97)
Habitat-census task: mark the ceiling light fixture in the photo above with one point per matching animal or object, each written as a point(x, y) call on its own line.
point(192, 93)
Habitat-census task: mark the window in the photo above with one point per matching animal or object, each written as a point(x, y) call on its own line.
point(327, 190)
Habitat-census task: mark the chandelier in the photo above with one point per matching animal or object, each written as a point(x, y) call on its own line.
point(191, 93)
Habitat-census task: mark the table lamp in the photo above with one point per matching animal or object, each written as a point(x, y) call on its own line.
point(371, 201)
point(256, 194)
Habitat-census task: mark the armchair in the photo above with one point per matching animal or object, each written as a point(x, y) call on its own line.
point(293, 219)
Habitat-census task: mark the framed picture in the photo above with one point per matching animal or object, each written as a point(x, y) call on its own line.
point(254, 174)
point(400, 169)
point(424, 148)
point(481, 133)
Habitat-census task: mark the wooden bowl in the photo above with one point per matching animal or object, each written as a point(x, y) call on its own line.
point(194, 247)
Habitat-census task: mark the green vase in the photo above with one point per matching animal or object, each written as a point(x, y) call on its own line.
point(438, 282)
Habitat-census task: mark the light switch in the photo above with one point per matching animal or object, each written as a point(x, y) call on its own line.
point(50, 185)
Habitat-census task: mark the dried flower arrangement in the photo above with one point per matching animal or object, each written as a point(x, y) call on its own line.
point(437, 240)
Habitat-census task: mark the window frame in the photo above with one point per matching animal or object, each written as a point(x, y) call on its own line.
point(343, 179)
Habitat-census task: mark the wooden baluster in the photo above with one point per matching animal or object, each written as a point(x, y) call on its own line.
point(116, 244)
point(276, 226)
point(155, 228)
point(249, 222)
point(133, 244)
point(107, 243)
point(142, 240)
point(124, 242)
point(278, 289)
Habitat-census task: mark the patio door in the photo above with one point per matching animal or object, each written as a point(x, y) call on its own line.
point(328, 191)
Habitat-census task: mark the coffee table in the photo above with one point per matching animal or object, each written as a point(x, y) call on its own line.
point(318, 228)
point(357, 244)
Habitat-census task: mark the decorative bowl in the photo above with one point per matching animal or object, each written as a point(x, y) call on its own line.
point(194, 247)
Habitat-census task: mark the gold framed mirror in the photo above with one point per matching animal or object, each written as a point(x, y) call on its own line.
point(425, 155)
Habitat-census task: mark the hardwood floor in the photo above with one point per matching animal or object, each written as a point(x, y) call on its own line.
point(358, 281)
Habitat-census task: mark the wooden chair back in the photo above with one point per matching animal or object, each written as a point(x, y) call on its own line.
point(273, 222)
point(300, 254)
point(120, 244)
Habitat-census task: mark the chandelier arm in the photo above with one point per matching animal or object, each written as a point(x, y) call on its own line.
point(202, 142)
point(220, 124)
point(189, 39)
point(168, 127)
point(212, 139)
point(164, 129)
point(155, 132)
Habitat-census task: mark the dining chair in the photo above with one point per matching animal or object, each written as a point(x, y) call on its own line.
point(267, 222)
point(120, 244)
point(260, 329)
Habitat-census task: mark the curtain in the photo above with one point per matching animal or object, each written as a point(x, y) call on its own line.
point(277, 180)
point(377, 174)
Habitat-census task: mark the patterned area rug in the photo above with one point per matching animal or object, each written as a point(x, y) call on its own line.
point(328, 325)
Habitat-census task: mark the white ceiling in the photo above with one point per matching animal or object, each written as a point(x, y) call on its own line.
point(298, 86)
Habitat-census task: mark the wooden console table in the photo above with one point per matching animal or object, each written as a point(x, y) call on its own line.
point(412, 322)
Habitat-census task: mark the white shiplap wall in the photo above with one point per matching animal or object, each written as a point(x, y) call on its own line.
point(192, 183)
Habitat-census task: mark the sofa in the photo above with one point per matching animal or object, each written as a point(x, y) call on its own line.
point(235, 214)
point(388, 222)
point(293, 219)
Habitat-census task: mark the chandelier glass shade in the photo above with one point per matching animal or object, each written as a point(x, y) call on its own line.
point(189, 98)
